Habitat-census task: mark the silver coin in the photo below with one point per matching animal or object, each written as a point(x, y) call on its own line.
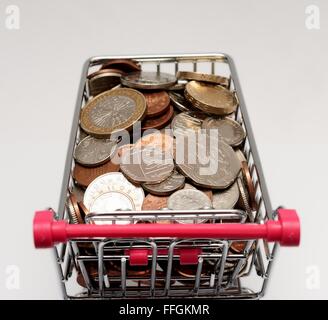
point(109, 202)
point(112, 201)
point(81, 135)
point(244, 199)
point(230, 130)
point(147, 164)
point(179, 86)
point(93, 152)
point(113, 182)
point(148, 80)
point(226, 199)
point(210, 163)
point(174, 182)
point(240, 155)
point(185, 124)
point(188, 199)
point(180, 102)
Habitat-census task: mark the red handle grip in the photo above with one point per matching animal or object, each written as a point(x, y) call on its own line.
point(286, 230)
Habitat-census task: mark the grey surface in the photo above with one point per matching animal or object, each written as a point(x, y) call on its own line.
point(282, 68)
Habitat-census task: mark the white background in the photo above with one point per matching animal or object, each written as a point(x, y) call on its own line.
point(282, 68)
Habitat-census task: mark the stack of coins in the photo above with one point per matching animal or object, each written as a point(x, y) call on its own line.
point(187, 154)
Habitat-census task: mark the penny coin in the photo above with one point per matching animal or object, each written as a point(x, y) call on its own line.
point(179, 101)
point(210, 99)
point(238, 246)
point(74, 210)
point(184, 124)
point(204, 77)
point(149, 80)
point(125, 65)
point(147, 164)
point(156, 140)
point(230, 130)
point(122, 149)
point(174, 182)
point(153, 202)
point(189, 199)
point(158, 122)
point(211, 163)
point(93, 152)
point(119, 152)
point(157, 103)
point(101, 72)
point(84, 211)
point(208, 192)
point(226, 199)
point(113, 111)
point(103, 80)
point(85, 175)
point(249, 184)
point(92, 270)
point(113, 182)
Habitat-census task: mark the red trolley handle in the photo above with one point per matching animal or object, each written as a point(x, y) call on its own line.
point(285, 230)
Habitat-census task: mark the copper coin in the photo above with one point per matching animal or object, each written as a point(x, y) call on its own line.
point(158, 122)
point(119, 152)
point(157, 103)
point(238, 246)
point(83, 209)
point(132, 271)
point(85, 175)
point(157, 140)
point(103, 80)
point(249, 184)
point(146, 164)
point(74, 210)
point(152, 202)
point(125, 65)
point(122, 149)
point(92, 270)
point(103, 71)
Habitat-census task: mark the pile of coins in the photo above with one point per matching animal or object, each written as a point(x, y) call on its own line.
point(138, 132)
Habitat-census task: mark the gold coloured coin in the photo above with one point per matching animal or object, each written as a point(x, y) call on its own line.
point(113, 111)
point(210, 99)
point(204, 77)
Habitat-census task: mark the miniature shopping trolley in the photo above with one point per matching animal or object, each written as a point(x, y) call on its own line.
point(226, 257)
